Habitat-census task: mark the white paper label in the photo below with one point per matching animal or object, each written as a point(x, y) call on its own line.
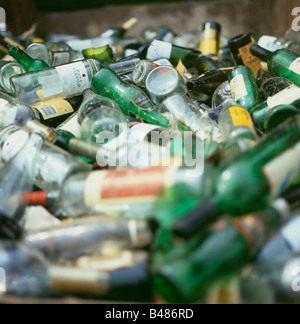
point(159, 49)
point(291, 234)
point(283, 170)
point(74, 78)
point(72, 126)
point(295, 66)
point(285, 97)
point(13, 145)
point(238, 87)
point(7, 113)
point(60, 58)
point(51, 85)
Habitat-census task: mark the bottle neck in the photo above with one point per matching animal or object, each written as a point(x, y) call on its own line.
point(20, 56)
point(260, 52)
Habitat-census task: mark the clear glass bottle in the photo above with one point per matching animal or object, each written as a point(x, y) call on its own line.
point(16, 178)
point(7, 70)
point(51, 167)
point(99, 114)
point(13, 112)
point(29, 274)
point(221, 94)
point(99, 236)
point(53, 53)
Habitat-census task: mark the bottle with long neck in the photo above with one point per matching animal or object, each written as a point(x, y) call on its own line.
point(272, 43)
point(162, 193)
point(243, 87)
point(288, 96)
point(53, 165)
point(283, 62)
point(209, 81)
point(159, 49)
point(166, 88)
point(131, 99)
point(16, 177)
point(53, 53)
point(187, 278)
point(7, 70)
point(272, 283)
point(257, 171)
point(99, 114)
point(13, 112)
point(23, 58)
point(29, 274)
point(99, 235)
point(210, 38)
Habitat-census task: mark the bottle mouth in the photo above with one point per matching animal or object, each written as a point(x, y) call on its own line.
point(8, 71)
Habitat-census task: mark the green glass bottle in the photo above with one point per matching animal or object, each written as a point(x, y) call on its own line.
point(103, 53)
point(132, 100)
point(288, 96)
point(282, 62)
point(278, 115)
point(186, 279)
point(253, 180)
point(243, 87)
point(159, 49)
point(19, 55)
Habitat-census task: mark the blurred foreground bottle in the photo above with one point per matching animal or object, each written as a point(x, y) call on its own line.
point(131, 99)
point(141, 193)
point(53, 164)
point(53, 53)
point(98, 114)
point(257, 171)
point(272, 283)
point(29, 274)
point(229, 249)
point(13, 112)
point(16, 177)
point(285, 245)
point(240, 50)
point(288, 96)
point(283, 62)
point(7, 70)
point(99, 236)
point(243, 87)
point(23, 58)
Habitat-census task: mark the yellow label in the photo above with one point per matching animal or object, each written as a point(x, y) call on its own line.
point(238, 87)
point(55, 108)
point(249, 60)
point(209, 44)
point(181, 69)
point(241, 117)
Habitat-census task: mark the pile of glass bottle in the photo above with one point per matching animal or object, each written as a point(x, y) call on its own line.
point(164, 168)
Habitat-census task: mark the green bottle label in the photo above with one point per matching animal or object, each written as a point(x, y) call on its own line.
point(283, 171)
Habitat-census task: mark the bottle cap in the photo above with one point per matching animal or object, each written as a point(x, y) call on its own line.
point(239, 41)
point(211, 25)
